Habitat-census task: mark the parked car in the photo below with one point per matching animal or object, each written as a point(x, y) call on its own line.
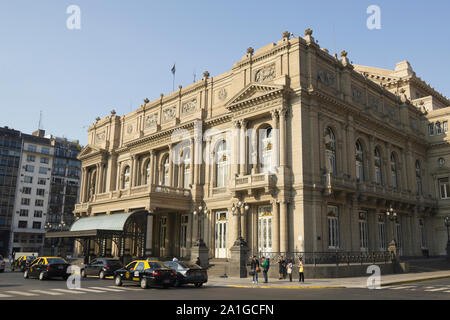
point(188, 273)
point(2, 264)
point(47, 267)
point(146, 273)
point(22, 262)
point(101, 267)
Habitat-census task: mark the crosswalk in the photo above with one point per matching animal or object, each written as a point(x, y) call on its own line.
point(61, 292)
point(437, 289)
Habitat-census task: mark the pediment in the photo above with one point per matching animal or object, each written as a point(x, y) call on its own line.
point(254, 93)
point(90, 150)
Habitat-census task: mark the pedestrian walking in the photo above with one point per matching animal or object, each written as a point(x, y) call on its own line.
point(266, 266)
point(254, 269)
point(285, 268)
point(301, 276)
point(9, 259)
point(289, 270)
point(280, 267)
point(198, 262)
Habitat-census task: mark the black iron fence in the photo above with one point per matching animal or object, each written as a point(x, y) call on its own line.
point(337, 257)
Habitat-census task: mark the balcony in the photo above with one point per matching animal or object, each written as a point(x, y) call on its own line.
point(252, 182)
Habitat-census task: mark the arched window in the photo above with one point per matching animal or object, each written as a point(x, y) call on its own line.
point(147, 172)
point(394, 170)
point(377, 160)
point(165, 171)
point(359, 161)
point(221, 164)
point(330, 151)
point(126, 177)
point(187, 168)
point(418, 178)
point(266, 144)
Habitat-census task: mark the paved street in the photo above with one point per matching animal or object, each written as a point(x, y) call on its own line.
point(14, 286)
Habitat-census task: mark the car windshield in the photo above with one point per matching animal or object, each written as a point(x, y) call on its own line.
point(55, 260)
point(30, 258)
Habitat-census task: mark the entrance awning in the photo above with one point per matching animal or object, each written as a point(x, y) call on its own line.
point(93, 226)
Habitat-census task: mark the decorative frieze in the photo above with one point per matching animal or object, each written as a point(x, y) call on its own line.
point(357, 95)
point(189, 107)
point(222, 95)
point(373, 103)
point(266, 73)
point(326, 78)
point(100, 137)
point(151, 121)
point(169, 114)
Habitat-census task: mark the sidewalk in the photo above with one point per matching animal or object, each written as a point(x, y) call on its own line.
point(359, 282)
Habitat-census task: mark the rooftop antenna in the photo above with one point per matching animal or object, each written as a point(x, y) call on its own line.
point(334, 38)
point(195, 75)
point(40, 120)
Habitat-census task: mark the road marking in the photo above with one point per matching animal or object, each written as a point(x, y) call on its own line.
point(125, 288)
point(69, 291)
point(89, 290)
point(107, 289)
point(20, 293)
point(404, 287)
point(438, 289)
point(4, 296)
point(47, 292)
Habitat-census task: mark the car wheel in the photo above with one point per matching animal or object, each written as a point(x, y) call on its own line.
point(42, 276)
point(144, 283)
point(83, 273)
point(118, 280)
point(102, 275)
point(25, 274)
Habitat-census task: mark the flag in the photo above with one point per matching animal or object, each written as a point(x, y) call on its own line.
point(173, 69)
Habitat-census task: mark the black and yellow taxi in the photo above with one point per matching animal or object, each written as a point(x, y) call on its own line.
point(147, 273)
point(47, 267)
point(22, 262)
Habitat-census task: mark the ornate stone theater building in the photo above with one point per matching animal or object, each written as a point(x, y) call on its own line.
point(306, 150)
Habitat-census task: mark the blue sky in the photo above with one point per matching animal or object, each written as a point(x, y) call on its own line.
point(125, 49)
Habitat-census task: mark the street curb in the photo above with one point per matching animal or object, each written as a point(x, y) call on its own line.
point(279, 287)
point(412, 281)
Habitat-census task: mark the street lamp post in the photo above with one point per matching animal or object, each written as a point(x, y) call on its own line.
point(202, 210)
point(237, 211)
point(392, 216)
point(199, 249)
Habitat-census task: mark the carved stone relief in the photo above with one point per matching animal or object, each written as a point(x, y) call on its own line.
point(326, 78)
point(189, 106)
point(265, 74)
point(151, 121)
point(169, 114)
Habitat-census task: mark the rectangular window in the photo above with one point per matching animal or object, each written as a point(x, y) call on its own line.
point(28, 179)
point(32, 148)
point(39, 203)
point(36, 225)
point(363, 233)
point(43, 170)
point(38, 214)
point(40, 192)
point(31, 158)
point(184, 228)
point(29, 168)
point(42, 181)
point(431, 129)
point(445, 126)
point(26, 190)
point(24, 212)
point(45, 150)
point(44, 160)
point(23, 224)
point(438, 128)
point(444, 188)
point(25, 201)
point(333, 227)
point(422, 234)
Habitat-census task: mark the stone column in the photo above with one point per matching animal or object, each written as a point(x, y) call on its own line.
point(387, 165)
point(371, 165)
point(275, 139)
point(97, 178)
point(283, 148)
point(283, 226)
point(275, 227)
point(243, 148)
point(83, 185)
point(170, 166)
point(152, 164)
point(191, 175)
point(351, 148)
point(207, 166)
point(236, 148)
